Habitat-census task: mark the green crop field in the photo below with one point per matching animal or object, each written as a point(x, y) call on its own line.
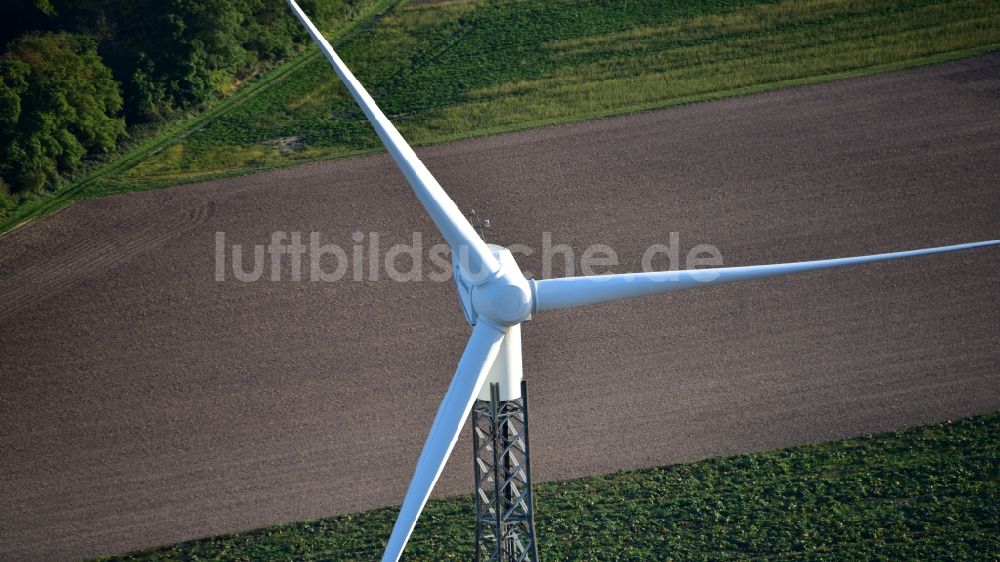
point(930, 493)
point(445, 70)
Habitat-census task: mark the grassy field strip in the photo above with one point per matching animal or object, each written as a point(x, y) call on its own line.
point(721, 55)
point(453, 71)
point(177, 131)
point(713, 96)
point(922, 494)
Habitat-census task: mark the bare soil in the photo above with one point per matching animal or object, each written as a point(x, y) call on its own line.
point(144, 402)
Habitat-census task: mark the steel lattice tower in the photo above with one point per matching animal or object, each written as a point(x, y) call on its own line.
point(505, 527)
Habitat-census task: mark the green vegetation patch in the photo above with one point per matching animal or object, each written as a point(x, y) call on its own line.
point(931, 493)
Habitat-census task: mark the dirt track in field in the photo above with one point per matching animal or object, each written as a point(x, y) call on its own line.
point(144, 403)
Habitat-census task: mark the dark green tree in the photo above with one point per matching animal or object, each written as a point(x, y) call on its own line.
point(173, 55)
point(20, 16)
point(58, 103)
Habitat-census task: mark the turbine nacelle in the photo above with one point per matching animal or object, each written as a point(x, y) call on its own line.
point(504, 298)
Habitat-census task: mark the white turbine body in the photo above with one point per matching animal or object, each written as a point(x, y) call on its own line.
point(497, 298)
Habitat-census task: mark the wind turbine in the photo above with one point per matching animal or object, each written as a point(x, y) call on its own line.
point(496, 299)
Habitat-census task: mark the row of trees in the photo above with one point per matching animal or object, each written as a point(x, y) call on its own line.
point(74, 75)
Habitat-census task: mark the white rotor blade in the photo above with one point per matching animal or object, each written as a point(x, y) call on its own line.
point(473, 255)
point(577, 291)
point(478, 357)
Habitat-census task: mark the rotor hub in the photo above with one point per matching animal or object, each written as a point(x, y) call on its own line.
point(504, 299)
